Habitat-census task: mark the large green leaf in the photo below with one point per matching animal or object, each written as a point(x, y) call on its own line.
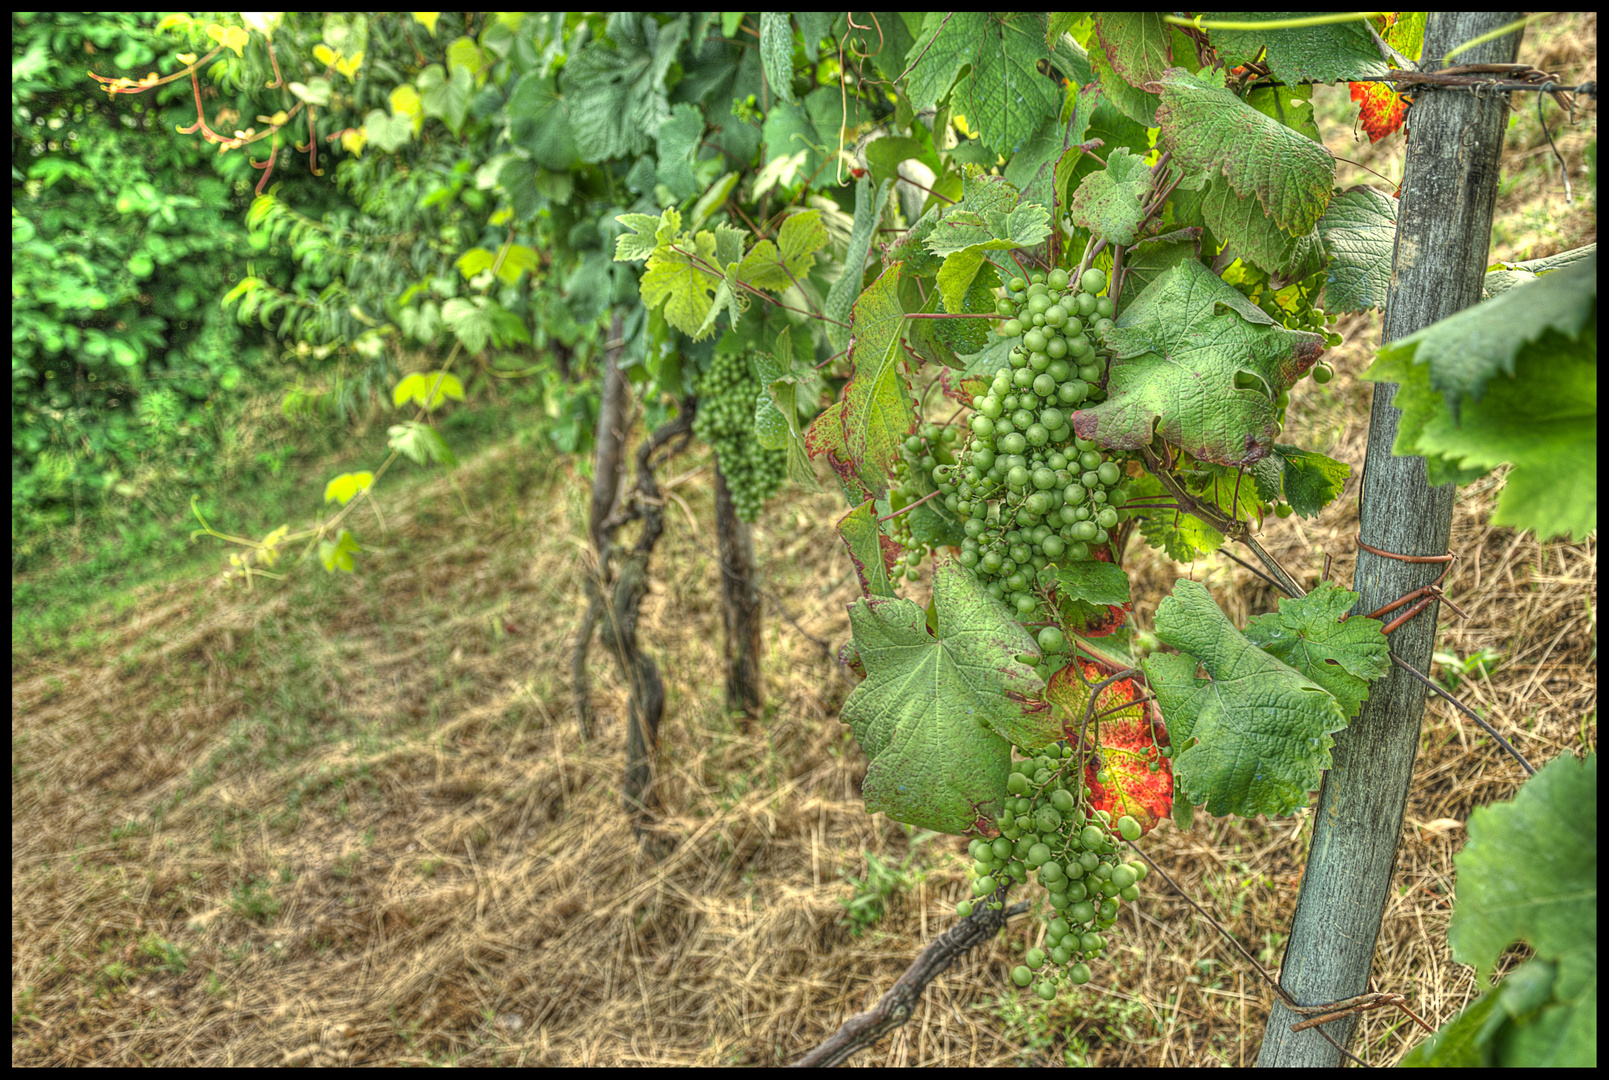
point(844, 294)
point(1253, 737)
point(1513, 379)
point(1001, 91)
point(678, 141)
point(1177, 348)
point(776, 53)
point(1529, 873)
point(1209, 129)
point(878, 410)
point(616, 87)
point(1530, 870)
point(936, 710)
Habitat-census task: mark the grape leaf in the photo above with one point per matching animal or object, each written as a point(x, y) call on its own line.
point(936, 711)
point(346, 486)
point(1001, 90)
point(1529, 873)
point(1359, 231)
point(990, 217)
point(1308, 54)
point(1530, 870)
point(1092, 580)
point(776, 412)
point(1254, 736)
point(538, 120)
point(678, 140)
point(845, 294)
point(1132, 51)
point(776, 52)
point(1181, 536)
point(684, 287)
point(878, 410)
point(616, 85)
point(1465, 351)
point(826, 436)
point(1512, 379)
point(337, 554)
point(777, 266)
point(1092, 594)
point(1129, 743)
point(1309, 481)
point(1111, 203)
point(1178, 347)
point(1307, 634)
point(420, 442)
point(1209, 129)
point(428, 389)
point(871, 550)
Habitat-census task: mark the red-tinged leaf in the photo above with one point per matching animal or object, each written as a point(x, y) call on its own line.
point(1126, 741)
point(877, 408)
point(1380, 109)
point(826, 436)
point(1085, 599)
point(826, 433)
point(866, 542)
point(962, 387)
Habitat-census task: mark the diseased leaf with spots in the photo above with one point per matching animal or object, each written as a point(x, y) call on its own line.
point(871, 550)
point(878, 410)
point(1125, 735)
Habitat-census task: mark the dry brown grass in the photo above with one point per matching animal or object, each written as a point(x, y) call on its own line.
point(350, 821)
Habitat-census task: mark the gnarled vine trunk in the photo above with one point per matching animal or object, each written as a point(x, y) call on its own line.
point(741, 609)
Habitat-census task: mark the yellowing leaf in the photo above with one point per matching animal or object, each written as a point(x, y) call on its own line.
point(337, 554)
point(427, 19)
point(474, 261)
point(517, 258)
point(233, 38)
point(346, 486)
point(428, 389)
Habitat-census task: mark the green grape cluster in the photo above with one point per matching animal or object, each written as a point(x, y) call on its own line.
point(1028, 490)
point(929, 451)
point(1045, 832)
point(727, 390)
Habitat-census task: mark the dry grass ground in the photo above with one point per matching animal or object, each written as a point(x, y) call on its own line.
point(349, 820)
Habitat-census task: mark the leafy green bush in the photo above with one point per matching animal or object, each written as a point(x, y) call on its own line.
point(124, 369)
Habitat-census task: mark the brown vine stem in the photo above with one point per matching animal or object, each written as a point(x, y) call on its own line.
point(1234, 530)
point(898, 1005)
